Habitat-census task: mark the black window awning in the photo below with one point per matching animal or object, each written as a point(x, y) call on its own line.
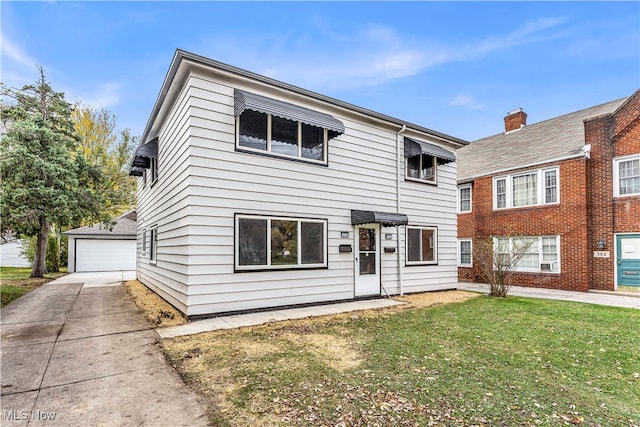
point(413, 147)
point(149, 150)
point(251, 101)
point(387, 219)
point(143, 156)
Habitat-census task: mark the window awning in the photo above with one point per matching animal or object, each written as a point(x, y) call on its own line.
point(387, 219)
point(150, 149)
point(251, 101)
point(141, 159)
point(413, 147)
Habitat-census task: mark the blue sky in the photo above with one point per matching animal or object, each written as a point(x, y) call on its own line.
point(455, 67)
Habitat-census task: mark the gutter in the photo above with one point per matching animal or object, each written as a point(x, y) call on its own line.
point(402, 130)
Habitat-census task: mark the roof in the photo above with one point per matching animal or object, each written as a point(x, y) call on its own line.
point(188, 57)
point(551, 140)
point(125, 225)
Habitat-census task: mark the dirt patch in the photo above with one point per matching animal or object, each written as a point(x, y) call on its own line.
point(157, 311)
point(335, 351)
point(428, 299)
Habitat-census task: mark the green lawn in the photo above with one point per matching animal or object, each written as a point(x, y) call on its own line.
point(491, 362)
point(15, 282)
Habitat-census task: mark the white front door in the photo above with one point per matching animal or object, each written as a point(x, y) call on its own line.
point(367, 260)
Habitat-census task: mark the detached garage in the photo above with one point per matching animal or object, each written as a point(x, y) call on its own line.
point(101, 248)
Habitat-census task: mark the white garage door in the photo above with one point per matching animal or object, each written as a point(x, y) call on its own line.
point(105, 255)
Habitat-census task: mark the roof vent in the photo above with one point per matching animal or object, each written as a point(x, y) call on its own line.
point(515, 120)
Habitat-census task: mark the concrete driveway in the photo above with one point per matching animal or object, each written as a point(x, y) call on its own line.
point(76, 351)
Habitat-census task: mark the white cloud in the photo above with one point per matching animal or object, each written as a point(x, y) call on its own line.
point(14, 53)
point(466, 101)
point(371, 55)
point(104, 95)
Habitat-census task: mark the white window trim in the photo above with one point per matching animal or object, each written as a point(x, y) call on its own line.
point(143, 251)
point(459, 200)
point(616, 175)
point(268, 266)
point(153, 244)
point(153, 170)
point(540, 188)
point(460, 264)
point(435, 245)
point(433, 181)
point(284, 156)
point(540, 253)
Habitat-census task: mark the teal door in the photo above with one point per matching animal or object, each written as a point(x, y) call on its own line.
point(628, 249)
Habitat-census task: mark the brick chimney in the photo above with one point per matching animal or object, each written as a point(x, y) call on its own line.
point(515, 120)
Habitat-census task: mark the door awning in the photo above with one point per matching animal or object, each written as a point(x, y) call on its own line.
point(251, 101)
point(413, 147)
point(387, 219)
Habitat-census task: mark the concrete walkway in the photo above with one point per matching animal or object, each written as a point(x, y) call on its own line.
point(612, 299)
point(76, 352)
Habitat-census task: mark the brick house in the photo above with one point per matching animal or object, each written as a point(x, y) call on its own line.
point(570, 185)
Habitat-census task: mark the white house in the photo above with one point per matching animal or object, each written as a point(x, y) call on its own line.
point(255, 194)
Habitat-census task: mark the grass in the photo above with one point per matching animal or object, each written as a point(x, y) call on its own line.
point(498, 362)
point(15, 282)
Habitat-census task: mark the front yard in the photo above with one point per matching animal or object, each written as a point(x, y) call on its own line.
point(15, 282)
point(485, 361)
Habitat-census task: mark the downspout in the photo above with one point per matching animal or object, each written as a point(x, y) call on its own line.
point(402, 130)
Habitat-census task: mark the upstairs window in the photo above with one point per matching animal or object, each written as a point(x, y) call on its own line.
point(282, 137)
point(532, 188)
point(626, 175)
point(267, 125)
point(464, 199)
point(422, 168)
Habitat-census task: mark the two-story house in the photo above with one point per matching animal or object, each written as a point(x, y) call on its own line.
point(255, 194)
point(570, 186)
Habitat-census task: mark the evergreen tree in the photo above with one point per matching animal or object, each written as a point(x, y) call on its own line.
point(45, 179)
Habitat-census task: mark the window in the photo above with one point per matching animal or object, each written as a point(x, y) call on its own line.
point(144, 242)
point(626, 175)
point(542, 254)
point(422, 245)
point(153, 244)
point(153, 170)
point(275, 243)
point(538, 187)
point(422, 168)
point(465, 253)
point(261, 132)
point(464, 199)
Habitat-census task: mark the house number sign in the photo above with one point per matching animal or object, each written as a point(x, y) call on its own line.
point(601, 254)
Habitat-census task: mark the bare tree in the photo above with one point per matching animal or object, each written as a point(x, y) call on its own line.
point(498, 260)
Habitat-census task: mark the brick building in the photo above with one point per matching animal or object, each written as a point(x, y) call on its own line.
point(569, 185)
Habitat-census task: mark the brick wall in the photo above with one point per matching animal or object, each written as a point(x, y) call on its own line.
point(610, 136)
point(568, 219)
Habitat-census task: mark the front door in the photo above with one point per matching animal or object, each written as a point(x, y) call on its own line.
point(367, 260)
point(628, 249)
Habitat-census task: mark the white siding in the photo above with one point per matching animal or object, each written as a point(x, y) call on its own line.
point(203, 182)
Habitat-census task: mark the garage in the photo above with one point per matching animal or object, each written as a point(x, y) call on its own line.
point(104, 247)
point(105, 255)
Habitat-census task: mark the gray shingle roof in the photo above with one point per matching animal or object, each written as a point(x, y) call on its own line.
point(125, 225)
point(541, 142)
